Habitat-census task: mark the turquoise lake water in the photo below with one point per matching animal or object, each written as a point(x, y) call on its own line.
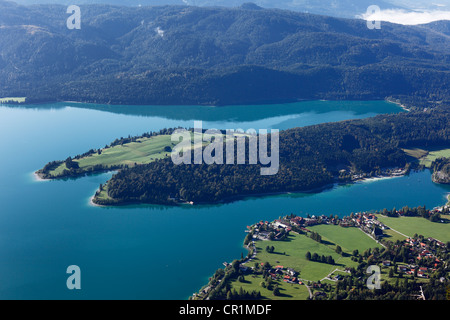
point(149, 252)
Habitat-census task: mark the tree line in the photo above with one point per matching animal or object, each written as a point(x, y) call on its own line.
point(319, 258)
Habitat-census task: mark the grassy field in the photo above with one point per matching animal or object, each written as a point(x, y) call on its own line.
point(348, 238)
point(426, 157)
point(287, 290)
point(412, 225)
point(291, 253)
point(14, 99)
point(433, 155)
point(142, 151)
point(393, 235)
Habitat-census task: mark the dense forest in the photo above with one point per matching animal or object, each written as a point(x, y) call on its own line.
point(310, 157)
point(215, 56)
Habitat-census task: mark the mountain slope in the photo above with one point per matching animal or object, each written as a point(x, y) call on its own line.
point(180, 54)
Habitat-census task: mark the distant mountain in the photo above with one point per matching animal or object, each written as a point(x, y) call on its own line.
point(439, 26)
point(211, 55)
point(335, 8)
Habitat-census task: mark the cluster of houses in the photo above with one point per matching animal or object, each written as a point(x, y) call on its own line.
point(421, 250)
point(262, 231)
point(445, 209)
point(306, 222)
point(424, 249)
point(367, 222)
point(270, 231)
point(411, 269)
point(363, 219)
point(387, 172)
point(288, 275)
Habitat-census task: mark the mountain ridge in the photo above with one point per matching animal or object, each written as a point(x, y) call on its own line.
point(338, 8)
point(214, 56)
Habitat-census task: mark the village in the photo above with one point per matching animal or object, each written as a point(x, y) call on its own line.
point(423, 259)
point(414, 257)
point(279, 229)
point(422, 249)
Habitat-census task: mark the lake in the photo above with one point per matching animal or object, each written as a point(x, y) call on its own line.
point(149, 251)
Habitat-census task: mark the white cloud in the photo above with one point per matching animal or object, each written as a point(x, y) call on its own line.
point(160, 32)
point(406, 17)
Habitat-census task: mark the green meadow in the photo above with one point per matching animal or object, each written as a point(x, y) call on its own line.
point(287, 290)
point(392, 235)
point(348, 239)
point(291, 253)
point(144, 150)
point(433, 155)
point(412, 225)
point(427, 156)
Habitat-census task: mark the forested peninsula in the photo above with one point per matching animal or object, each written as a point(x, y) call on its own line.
point(311, 157)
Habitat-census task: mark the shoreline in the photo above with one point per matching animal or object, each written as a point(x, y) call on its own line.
point(76, 176)
point(256, 103)
point(399, 104)
point(372, 179)
point(38, 178)
point(327, 186)
point(92, 204)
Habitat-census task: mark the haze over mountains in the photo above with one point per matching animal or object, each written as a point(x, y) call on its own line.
point(210, 55)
